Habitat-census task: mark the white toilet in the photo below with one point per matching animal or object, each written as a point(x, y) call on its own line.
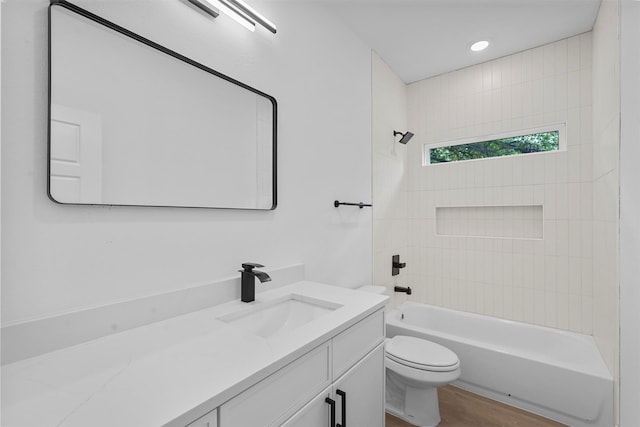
point(415, 369)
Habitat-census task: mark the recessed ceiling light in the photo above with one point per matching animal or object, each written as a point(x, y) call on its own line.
point(478, 46)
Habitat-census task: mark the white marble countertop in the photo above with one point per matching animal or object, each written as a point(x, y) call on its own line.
point(168, 373)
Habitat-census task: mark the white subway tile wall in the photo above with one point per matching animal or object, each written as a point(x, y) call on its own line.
point(605, 193)
point(545, 280)
point(391, 203)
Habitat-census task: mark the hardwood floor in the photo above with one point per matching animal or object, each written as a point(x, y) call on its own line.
point(460, 408)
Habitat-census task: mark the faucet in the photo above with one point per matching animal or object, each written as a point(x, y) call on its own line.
point(248, 285)
point(406, 290)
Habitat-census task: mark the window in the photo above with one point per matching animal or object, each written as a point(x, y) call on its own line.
point(524, 142)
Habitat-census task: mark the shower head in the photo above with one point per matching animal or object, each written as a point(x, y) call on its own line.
point(405, 136)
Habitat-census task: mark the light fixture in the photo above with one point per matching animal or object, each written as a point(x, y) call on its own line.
point(238, 10)
point(240, 18)
point(241, 8)
point(405, 136)
point(205, 7)
point(480, 45)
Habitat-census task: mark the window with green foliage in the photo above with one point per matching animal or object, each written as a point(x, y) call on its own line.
point(508, 146)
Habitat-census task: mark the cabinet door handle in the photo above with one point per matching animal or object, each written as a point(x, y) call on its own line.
point(343, 396)
point(332, 406)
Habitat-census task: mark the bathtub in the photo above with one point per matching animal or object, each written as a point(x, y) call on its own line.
point(557, 374)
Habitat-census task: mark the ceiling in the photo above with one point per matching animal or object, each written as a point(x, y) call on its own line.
point(423, 38)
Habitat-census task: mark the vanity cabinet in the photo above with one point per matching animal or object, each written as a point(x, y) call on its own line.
point(275, 362)
point(357, 398)
point(347, 368)
point(362, 389)
point(274, 399)
point(314, 414)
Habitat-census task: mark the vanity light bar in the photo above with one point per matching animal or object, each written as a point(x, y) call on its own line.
point(238, 10)
point(240, 18)
point(246, 11)
point(207, 8)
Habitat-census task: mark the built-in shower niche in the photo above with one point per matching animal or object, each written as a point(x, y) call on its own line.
point(517, 222)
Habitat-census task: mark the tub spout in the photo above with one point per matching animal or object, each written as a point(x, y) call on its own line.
point(406, 290)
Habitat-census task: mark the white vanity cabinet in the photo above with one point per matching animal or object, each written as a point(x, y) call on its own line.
point(274, 399)
point(362, 389)
point(349, 368)
point(271, 363)
point(357, 398)
point(316, 413)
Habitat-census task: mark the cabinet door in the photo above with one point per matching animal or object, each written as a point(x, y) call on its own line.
point(353, 344)
point(282, 394)
point(316, 413)
point(362, 389)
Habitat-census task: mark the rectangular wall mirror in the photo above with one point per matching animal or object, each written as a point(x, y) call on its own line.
point(134, 123)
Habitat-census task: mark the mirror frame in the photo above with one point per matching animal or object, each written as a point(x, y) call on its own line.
point(110, 25)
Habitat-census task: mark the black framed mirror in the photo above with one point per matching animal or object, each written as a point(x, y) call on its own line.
point(134, 123)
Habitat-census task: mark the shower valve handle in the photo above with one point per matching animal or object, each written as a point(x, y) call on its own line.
point(396, 265)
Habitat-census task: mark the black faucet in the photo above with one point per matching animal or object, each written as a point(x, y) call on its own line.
point(248, 286)
point(406, 290)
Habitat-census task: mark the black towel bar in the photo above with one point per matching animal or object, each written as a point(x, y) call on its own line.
point(361, 205)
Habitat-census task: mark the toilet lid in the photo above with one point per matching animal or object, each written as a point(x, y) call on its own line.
point(421, 354)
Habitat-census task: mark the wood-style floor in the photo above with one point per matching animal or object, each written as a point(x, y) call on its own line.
point(460, 408)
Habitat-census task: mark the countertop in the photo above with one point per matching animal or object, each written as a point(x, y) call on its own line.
point(167, 373)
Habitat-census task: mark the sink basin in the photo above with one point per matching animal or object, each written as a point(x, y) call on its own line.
point(279, 316)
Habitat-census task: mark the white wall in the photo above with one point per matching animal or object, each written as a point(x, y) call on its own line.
point(606, 196)
point(60, 258)
point(630, 215)
point(389, 113)
point(1, 5)
point(544, 281)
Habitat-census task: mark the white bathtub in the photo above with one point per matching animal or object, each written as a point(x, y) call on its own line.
point(557, 374)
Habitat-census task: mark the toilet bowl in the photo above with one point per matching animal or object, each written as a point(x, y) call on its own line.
point(415, 368)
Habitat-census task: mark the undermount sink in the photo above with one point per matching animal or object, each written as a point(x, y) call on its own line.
point(279, 316)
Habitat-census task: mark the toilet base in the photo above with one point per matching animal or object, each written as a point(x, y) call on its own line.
point(410, 420)
point(417, 406)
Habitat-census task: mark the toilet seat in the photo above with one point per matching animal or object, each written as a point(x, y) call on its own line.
point(421, 354)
